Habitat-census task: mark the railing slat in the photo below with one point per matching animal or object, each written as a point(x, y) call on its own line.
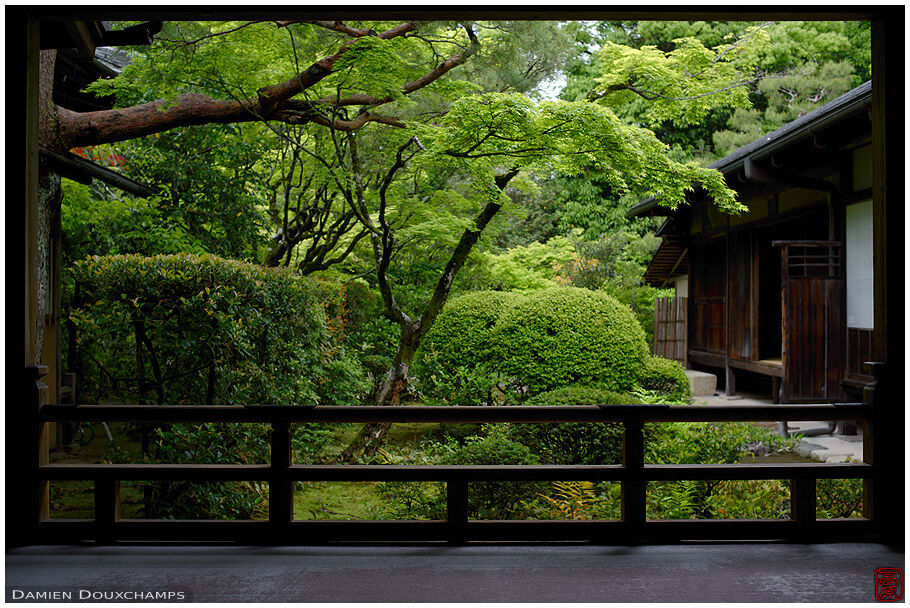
point(452, 414)
point(802, 503)
point(318, 472)
point(457, 509)
point(107, 509)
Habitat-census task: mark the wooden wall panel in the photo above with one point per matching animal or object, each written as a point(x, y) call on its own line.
point(740, 309)
point(707, 301)
point(859, 350)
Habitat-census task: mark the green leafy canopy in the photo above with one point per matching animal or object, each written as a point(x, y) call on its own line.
point(506, 131)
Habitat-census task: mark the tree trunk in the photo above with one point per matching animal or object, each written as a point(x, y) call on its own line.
point(396, 381)
point(412, 332)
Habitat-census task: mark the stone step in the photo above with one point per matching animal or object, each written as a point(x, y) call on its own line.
point(702, 384)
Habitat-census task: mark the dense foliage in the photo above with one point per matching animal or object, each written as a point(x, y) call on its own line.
point(453, 364)
point(666, 378)
point(200, 329)
point(197, 329)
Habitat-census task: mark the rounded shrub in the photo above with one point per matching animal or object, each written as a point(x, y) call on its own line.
point(574, 442)
point(667, 378)
point(567, 335)
point(453, 362)
point(462, 330)
point(495, 499)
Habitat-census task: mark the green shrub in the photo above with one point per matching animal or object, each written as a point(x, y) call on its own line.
point(667, 378)
point(582, 395)
point(640, 299)
point(494, 499)
point(574, 442)
point(198, 329)
point(839, 498)
point(567, 336)
point(453, 363)
point(210, 330)
point(709, 443)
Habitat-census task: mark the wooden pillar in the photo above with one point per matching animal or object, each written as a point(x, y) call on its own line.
point(27, 441)
point(884, 435)
point(730, 375)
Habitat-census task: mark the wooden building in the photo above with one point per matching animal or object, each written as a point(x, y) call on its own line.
point(782, 292)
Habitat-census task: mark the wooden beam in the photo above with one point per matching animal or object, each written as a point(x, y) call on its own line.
point(450, 414)
point(81, 170)
point(125, 12)
point(328, 472)
point(758, 368)
point(437, 531)
point(85, 36)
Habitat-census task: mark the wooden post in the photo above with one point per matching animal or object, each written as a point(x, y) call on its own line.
point(634, 488)
point(802, 504)
point(457, 510)
point(784, 391)
point(281, 488)
point(888, 394)
point(107, 509)
point(36, 507)
point(730, 375)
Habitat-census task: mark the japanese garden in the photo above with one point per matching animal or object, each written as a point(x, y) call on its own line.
point(409, 213)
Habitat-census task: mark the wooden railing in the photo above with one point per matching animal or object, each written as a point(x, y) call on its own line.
point(281, 473)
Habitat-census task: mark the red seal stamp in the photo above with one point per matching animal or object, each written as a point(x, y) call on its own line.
point(889, 584)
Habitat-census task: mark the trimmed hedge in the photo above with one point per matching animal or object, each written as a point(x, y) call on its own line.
point(210, 331)
point(231, 331)
point(462, 332)
point(566, 336)
point(666, 377)
point(453, 363)
point(574, 442)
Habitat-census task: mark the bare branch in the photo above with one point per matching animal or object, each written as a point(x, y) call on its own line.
point(183, 43)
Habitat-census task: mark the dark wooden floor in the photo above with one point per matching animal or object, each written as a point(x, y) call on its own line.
point(761, 572)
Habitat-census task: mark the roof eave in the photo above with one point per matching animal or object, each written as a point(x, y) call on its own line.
point(803, 127)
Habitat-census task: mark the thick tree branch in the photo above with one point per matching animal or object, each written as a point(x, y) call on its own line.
point(354, 32)
point(273, 103)
point(269, 96)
